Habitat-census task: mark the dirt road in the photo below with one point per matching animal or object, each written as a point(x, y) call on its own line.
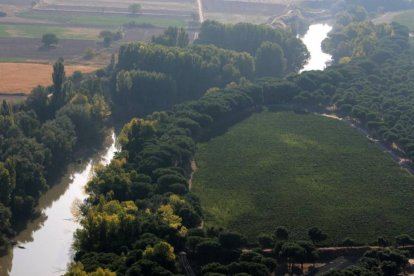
point(200, 10)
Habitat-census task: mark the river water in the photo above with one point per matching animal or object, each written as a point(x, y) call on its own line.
point(313, 40)
point(47, 240)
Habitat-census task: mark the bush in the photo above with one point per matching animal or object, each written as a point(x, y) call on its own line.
point(49, 39)
point(89, 54)
point(231, 240)
point(265, 240)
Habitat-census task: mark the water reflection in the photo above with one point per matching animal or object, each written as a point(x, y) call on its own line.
point(313, 40)
point(47, 239)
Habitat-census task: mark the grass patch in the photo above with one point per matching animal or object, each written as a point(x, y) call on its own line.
point(3, 31)
point(106, 21)
point(13, 59)
point(406, 18)
point(300, 171)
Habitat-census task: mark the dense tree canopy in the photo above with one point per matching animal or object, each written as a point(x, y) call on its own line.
point(249, 38)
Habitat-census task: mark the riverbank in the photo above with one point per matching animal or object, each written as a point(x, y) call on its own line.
point(56, 224)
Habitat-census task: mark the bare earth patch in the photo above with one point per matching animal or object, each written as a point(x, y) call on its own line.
point(22, 77)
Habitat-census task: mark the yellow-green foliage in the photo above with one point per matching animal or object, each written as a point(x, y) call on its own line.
point(77, 270)
point(167, 213)
point(138, 129)
point(161, 250)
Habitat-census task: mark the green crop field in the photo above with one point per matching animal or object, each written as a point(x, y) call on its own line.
point(295, 170)
point(103, 21)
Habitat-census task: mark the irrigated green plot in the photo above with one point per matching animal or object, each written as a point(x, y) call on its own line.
point(301, 171)
point(104, 21)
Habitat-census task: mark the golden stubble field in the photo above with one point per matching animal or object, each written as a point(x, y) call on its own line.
point(22, 77)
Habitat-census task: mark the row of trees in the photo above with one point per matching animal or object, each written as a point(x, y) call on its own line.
point(176, 72)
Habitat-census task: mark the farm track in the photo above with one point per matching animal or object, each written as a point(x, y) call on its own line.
point(193, 170)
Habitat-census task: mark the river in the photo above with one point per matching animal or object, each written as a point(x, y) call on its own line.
point(313, 40)
point(45, 245)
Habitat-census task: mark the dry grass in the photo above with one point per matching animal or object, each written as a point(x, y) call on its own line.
point(22, 77)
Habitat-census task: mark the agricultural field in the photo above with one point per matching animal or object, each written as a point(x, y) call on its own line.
point(14, 76)
point(147, 6)
point(83, 27)
point(36, 31)
point(96, 20)
point(20, 48)
point(406, 18)
point(257, 12)
point(297, 170)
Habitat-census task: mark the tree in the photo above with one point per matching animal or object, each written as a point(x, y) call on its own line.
point(108, 37)
point(316, 235)
point(58, 77)
point(382, 242)
point(281, 233)
point(5, 109)
point(404, 239)
point(270, 60)
point(292, 253)
point(134, 8)
point(231, 240)
point(49, 39)
point(162, 253)
point(265, 240)
point(7, 184)
point(173, 36)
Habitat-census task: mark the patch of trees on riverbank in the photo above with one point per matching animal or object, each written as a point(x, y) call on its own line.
point(353, 35)
point(38, 139)
point(250, 38)
point(155, 76)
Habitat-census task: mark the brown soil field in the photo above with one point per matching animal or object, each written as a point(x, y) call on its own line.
point(22, 77)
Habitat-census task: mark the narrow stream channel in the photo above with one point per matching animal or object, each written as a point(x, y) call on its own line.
point(46, 242)
point(45, 245)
